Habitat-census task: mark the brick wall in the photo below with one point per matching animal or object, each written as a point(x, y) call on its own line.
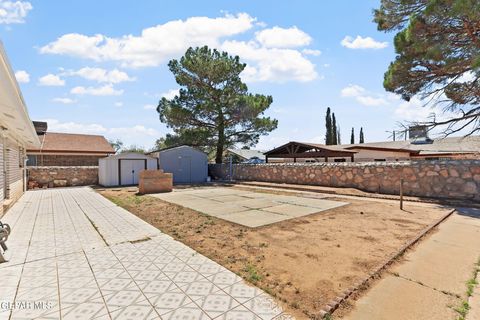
point(458, 179)
point(47, 160)
point(39, 177)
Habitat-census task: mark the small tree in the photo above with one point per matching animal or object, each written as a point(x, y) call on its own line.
point(116, 144)
point(328, 128)
point(214, 108)
point(133, 148)
point(352, 137)
point(362, 138)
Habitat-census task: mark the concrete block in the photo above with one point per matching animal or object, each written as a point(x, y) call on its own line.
point(155, 181)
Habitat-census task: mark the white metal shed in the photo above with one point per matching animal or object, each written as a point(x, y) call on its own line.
point(123, 169)
point(187, 164)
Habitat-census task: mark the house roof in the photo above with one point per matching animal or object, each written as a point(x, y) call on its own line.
point(247, 154)
point(14, 116)
point(75, 143)
point(470, 144)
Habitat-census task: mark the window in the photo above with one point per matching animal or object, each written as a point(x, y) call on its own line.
point(31, 160)
point(379, 160)
point(339, 160)
point(432, 158)
point(310, 161)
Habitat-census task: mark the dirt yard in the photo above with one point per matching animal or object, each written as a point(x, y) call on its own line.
point(304, 262)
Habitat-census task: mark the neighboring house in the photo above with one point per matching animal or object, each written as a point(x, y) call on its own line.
point(242, 155)
point(415, 149)
point(16, 135)
point(67, 149)
point(432, 149)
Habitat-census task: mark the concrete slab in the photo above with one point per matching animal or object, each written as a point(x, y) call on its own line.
point(395, 298)
point(432, 280)
point(257, 203)
point(221, 202)
point(254, 218)
point(291, 210)
point(453, 250)
point(75, 255)
point(228, 198)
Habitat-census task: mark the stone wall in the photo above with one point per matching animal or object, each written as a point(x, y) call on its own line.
point(41, 177)
point(458, 179)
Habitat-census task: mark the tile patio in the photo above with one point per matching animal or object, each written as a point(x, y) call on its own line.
point(75, 255)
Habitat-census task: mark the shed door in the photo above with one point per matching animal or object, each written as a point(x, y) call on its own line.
point(129, 170)
point(184, 170)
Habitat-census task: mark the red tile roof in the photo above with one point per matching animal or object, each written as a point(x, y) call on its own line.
point(77, 143)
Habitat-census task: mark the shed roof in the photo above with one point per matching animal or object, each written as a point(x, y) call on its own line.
point(130, 155)
point(175, 148)
point(75, 143)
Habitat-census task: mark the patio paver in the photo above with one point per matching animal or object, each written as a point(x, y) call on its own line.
point(79, 256)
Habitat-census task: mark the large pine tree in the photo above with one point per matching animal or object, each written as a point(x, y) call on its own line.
point(437, 49)
point(362, 138)
point(214, 108)
point(352, 137)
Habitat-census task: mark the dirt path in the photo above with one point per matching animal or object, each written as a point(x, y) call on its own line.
point(432, 282)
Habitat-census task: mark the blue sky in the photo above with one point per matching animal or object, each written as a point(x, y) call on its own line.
point(100, 66)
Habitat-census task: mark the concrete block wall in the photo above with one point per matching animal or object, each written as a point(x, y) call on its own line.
point(456, 179)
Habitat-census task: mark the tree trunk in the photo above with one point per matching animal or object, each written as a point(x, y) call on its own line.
point(221, 139)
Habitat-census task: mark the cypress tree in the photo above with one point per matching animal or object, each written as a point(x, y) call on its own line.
point(352, 137)
point(339, 139)
point(334, 129)
point(362, 139)
point(328, 127)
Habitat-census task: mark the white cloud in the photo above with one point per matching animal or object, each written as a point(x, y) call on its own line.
point(137, 134)
point(271, 64)
point(101, 75)
point(64, 100)
point(14, 11)
point(51, 80)
point(118, 104)
point(371, 101)
point(22, 76)
point(269, 56)
point(362, 43)
point(362, 96)
point(311, 52)
point(149, 107)
point(154, 45)
point(135, 130)
point(170, 94)
point(74, 127)
point(106, 90)
point(278, 37)
point(352, 90)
